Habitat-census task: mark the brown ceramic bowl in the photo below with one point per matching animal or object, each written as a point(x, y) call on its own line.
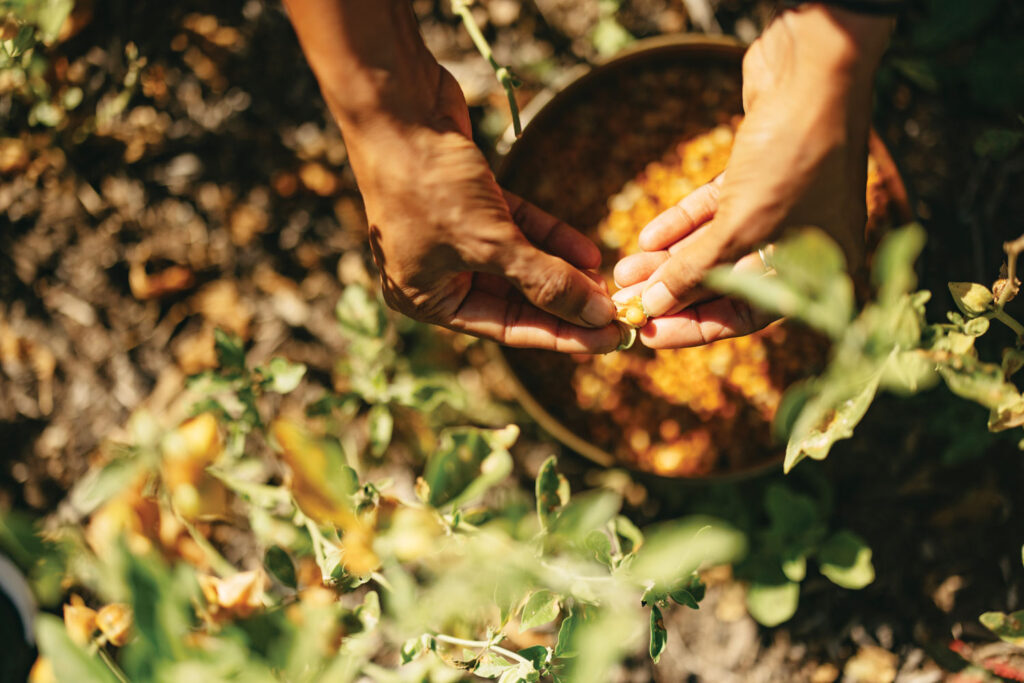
point(579, 147)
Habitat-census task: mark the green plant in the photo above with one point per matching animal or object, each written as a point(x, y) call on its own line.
point(504, 75)
point(888, 344)
point(798, 531)
point(28, 27)
point(253, 543)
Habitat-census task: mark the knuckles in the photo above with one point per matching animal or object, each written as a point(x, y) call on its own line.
point(553, 290)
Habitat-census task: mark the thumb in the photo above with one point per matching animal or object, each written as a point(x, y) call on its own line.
point(551, 284)
point(674, 285)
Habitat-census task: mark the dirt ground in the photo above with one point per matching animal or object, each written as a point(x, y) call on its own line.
point(220, 196)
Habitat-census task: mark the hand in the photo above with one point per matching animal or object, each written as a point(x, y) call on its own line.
point(455, 250)
point(799, 158)
point(452, 248)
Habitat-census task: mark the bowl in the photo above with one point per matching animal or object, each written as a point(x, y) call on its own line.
point(606, 152)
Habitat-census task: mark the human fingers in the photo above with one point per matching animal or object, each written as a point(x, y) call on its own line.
point(552, 284)
point(514, 321)
point(646, 264)
point(638, 267)
point(551, 234)
point(704, 323)
point(676, 283)
point(681, 219)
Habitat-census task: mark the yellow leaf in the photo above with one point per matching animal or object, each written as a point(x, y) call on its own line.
point(318, 496)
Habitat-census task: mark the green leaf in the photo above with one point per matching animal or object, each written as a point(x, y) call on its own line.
point(772, 604)
point(689, 592)
point(279, 565)
point(360, 314)
point(628, 532)
point(599, 546)
point(792, 405)
point(50, 16)
point(845, 560)
point(261, 495)
point(565, 645)
point(468, 462)
point(1013, 360)
point(920, 72)
point(368, 613)
point(659, 636)
point(977, 327)
point(69, 661)
point(552, 490)
point(585, 513)
point(811, 283)
point(820, 425)
point(161, 602)
point(381, 424)
point(1007, 416)
point(892, 271)
point(99, 485)
point(997, 143)
point(522, 672)
point(609, 36)
point(677, 549)
point(282, 376)
point(538, 655)
point(541, 608)
point(230, 351)
point(321, 482)
point(980, 382)
point(795, 568)
point(790, 512)
point(414, 647)
point(971, 298)
point(1009, 627)
point(20, 538)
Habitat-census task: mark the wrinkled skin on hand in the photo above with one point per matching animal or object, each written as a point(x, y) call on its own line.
point(799, 158)
point(455, 250)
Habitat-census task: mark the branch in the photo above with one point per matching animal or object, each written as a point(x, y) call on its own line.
point(504, 75)
point(508, 654)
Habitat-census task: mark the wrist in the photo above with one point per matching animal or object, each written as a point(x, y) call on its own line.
point(847, 45)
point(369, 59)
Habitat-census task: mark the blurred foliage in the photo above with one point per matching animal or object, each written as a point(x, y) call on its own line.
point(887, 345)
point(28, 27)
point(334, 574)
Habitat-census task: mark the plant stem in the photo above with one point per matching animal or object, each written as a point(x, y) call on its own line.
point(1008, 320)
point(505, 77)
point(318, 543)
point(112, 665)
point(217, 561)
point(484, 645)
point(382, 581)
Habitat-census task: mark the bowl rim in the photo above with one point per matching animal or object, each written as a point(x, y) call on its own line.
point(544, 106)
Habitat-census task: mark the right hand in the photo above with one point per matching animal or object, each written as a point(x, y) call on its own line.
point(455, 250)
point(799, 158)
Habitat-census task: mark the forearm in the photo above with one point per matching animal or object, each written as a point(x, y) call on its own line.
point(848, 44)
point(369, 59)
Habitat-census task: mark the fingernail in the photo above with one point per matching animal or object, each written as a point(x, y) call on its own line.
point(658, 300)
point(599, 310)
point(621, 296)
